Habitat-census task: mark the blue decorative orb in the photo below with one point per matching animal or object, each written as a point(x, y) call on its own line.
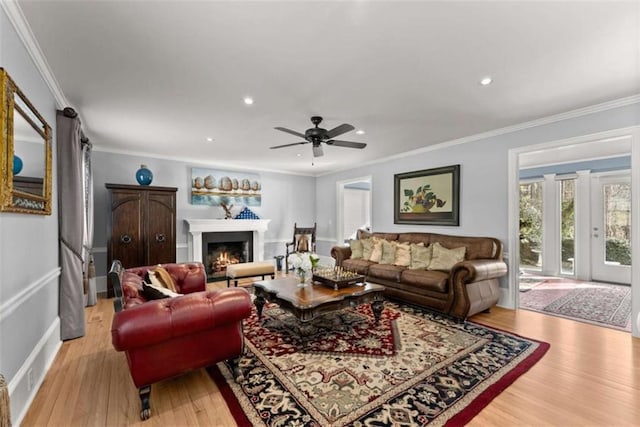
point(17, 164)
point(144, 176)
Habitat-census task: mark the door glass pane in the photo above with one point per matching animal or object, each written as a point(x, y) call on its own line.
point(617, 223)
point(567, 197)
point(531, 226)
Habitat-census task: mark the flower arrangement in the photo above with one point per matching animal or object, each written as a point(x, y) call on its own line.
point(303, 263)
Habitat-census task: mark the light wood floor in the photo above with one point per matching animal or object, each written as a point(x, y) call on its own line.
point(589, 377)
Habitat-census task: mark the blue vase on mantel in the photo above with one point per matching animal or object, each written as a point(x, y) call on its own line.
point(144, 176)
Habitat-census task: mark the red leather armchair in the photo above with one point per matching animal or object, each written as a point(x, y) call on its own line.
point(167, 337)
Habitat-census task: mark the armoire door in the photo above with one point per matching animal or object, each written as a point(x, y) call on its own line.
point(126, 237)
point(160, 223)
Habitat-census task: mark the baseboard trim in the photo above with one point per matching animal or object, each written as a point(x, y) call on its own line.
point(13, 303)
point(45, 350)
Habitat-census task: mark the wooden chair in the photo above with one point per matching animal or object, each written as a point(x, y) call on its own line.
point(304, 240)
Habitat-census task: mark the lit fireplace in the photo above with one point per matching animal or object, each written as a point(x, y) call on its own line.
point(223, 249)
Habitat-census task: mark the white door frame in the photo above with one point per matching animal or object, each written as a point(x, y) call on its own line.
point(340, 203)
point(513, 214)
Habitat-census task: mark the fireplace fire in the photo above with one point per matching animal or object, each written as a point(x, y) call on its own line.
point(222, 261)
point(223, 249)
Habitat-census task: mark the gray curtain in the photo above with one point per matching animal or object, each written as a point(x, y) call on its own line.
point(71, 223)
point(88, 267)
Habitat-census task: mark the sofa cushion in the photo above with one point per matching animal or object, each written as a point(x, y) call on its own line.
point(376, 251)
point(477, 247)
point(367, 248)
point(415, 238)
point(426, 279)
point(388, 252)
point(403, 254)
point(420, 256)
point(444, 259)
point(360, 266)
point(356, 249)
point(386, 271)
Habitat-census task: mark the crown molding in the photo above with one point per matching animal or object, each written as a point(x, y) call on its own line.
point(196, 162)
point(609, 105)
point(17, 19)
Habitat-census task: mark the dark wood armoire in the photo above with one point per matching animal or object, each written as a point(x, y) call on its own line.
point(141, 226)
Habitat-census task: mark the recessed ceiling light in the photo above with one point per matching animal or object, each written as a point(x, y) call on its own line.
point(360, 132)
point(486, 81)
point(248, 100)
point(209, 139)
point(298, 155)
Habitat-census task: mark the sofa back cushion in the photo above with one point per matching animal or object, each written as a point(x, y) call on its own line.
point(424, 238)
point(362, 234)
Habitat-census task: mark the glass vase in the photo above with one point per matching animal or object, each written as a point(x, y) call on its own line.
point(303, 278)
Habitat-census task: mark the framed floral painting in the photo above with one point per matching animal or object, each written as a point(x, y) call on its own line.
point(429, 197)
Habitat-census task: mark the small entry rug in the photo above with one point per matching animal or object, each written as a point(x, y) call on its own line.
point(601, 304)
point(414, 368)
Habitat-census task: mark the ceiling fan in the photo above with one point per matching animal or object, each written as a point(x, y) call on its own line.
point(316, 136)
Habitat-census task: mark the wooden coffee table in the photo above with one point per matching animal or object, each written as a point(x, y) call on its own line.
point(314, 300)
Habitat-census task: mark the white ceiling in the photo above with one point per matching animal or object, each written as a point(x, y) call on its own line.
point(158, 77)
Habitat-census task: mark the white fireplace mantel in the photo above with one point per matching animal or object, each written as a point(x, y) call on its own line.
point(198, 226)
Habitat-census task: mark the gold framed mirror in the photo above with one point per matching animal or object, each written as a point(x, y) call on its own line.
point(25, 163)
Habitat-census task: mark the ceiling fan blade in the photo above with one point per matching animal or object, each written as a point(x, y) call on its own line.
point(343, 128)
point(317, 151)
point(290, 145)
point(348, 144)
point(292, 132)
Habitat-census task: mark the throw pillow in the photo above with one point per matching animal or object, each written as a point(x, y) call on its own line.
point(388, 252)
point(403, 254)
point(159, 277)
point(444, 259)
point(420, 256)
point(356, 249)
point(367, 248)
point(151, 292)
point(303, 242)
point(376, 252)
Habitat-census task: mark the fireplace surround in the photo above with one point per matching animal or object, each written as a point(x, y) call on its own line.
point(196, 228)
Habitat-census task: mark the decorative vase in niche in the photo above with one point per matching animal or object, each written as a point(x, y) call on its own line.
point(144, 176)
point(17, 165)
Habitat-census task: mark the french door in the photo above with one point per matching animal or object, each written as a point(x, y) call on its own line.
point(611, 228)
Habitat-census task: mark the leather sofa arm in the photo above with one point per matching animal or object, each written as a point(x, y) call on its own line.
point(161, 320)
point(340, 253)
point(477, 270)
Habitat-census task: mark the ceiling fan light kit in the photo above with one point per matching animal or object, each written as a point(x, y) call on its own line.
point(317, 135)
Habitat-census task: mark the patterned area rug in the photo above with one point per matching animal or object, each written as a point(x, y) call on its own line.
point(413, 368)
point(601, 304)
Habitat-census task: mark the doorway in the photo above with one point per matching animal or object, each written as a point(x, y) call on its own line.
point(571, 188)
point(353, 207)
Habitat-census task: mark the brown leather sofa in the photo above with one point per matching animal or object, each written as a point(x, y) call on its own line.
point(164, 338)
point(470, 287)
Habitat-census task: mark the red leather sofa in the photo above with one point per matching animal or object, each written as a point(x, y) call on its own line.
point(165, 338)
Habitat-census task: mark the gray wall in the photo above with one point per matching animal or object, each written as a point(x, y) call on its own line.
point(285, 199)
point(29, 326)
